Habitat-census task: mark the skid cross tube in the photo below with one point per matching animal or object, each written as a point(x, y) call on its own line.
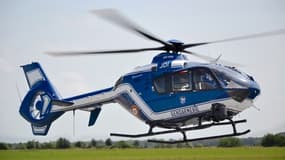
point(202, 126)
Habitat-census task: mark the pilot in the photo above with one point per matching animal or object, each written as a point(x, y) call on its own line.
point(204, 80)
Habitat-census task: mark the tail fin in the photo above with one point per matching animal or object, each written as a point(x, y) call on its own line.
point(37, 104)
point(34, 74)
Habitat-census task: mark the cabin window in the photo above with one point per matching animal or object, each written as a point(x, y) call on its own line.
point(187, 80)
point(204, 80)
point(181, 81)
point(160, 85)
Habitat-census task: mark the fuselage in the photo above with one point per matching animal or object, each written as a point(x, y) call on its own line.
point(172, 91)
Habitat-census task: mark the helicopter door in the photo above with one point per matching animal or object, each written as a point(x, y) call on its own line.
point(206, 89)
point(204, 80)
point(171, 91)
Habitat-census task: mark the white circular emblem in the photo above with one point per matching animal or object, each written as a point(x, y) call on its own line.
point(182, 100)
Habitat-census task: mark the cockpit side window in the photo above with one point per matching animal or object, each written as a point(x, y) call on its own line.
point(226, 81)
point(223, 78)
point(204, 80)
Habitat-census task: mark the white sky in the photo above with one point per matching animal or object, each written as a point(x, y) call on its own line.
point(29, 28)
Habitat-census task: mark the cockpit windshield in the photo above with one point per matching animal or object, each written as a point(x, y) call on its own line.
point(231, 77)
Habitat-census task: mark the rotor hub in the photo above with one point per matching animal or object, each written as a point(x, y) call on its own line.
point(175, 42)
point(177, 46)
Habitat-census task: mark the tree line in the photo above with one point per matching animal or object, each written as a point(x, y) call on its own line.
point(63, 143)
point(268, 140)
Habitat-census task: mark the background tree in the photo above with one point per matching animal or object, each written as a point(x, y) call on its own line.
point(20, 146)
point(48, 145)
point(79, 144)
point(3, 146)
point(108, 142)
point(136, 144)
point(270, 140)
point(280, 140)
point(229, 142)
point(62, 143)
point(33, 145)
point(93, 143)
point(122, 144)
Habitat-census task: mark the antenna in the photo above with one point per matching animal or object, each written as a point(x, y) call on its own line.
point(258, 109)
point(74, 122)
point(18, 92)
point(217, 59)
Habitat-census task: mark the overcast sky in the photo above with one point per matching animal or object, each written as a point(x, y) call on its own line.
point(31, 27)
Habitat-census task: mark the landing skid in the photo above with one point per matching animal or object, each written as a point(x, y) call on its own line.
point(202, 138)
point(183, 131)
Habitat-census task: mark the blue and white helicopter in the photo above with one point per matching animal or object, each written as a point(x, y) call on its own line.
point(171, 92)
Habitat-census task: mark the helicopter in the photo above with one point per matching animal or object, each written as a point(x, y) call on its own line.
point(171, 92)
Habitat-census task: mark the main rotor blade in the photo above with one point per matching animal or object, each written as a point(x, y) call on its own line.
point(204, 57)
point(213, 60)
point(60, 54)
point(251, 36)
point(115, 17)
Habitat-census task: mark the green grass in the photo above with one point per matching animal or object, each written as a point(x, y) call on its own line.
point(242, 153)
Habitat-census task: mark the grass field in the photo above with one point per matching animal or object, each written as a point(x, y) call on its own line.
point(243, 153)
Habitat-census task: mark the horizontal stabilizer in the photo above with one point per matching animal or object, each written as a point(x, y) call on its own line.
point(93, 116)
point(61, 102)
point(40, 130)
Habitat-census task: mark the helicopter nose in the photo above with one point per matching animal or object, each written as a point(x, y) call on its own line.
point(254, 89)
point(242, 94)
point(239, 94)
point(253, 92)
